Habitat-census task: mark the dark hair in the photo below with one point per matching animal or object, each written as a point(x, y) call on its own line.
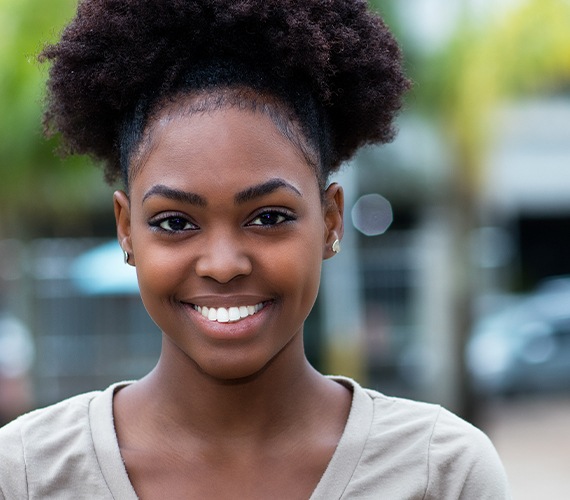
point(333, 64)
point(216, 84)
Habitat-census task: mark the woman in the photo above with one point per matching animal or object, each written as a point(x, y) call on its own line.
point(224, 120)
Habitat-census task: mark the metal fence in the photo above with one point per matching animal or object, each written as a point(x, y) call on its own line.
point(82, 341)
point(388, 276)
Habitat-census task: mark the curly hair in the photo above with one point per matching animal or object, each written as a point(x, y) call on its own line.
point(333, 62)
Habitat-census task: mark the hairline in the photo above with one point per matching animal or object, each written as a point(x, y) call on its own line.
point(186, 104)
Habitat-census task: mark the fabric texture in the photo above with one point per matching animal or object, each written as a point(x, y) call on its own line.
point(391, 448)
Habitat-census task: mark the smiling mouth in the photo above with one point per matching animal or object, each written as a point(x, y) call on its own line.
point(228, 314)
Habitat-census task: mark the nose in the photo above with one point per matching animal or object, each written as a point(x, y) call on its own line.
point(223, 257)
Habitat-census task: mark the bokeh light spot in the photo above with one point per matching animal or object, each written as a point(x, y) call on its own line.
point(372, 214)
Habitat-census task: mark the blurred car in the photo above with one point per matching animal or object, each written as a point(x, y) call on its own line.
point(525, 347)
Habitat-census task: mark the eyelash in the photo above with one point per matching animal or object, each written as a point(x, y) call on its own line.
point(156, 223)
point(283, 217)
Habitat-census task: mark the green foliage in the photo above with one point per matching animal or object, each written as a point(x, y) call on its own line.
point(525, 50)
point(33, 178)
point(388, 9)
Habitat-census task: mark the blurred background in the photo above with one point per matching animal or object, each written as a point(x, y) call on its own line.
point(454, 281)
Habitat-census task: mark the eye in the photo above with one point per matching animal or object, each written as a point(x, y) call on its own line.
point(173, 224)
point(271, 218)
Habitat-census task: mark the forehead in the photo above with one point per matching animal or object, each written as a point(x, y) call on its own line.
point(222, 150)
point(205, 103)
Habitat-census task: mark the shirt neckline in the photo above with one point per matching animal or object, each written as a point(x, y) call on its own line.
point(106, 444)
point(332, 484)
point(351, 445)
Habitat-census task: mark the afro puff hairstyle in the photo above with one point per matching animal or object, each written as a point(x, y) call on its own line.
point(333, 62)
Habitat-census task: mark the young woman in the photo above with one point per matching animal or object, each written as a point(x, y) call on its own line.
point(224, 119)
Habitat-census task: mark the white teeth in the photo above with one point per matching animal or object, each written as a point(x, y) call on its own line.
point(226, 315)
point(223, 315)
point(234, 313)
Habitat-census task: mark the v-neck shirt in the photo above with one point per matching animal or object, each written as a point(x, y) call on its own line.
point(391, 448)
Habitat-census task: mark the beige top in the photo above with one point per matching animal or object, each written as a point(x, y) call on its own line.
point(390, 449)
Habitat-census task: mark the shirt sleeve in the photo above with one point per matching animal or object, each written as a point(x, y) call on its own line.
point(13, 483)
point(463, 463)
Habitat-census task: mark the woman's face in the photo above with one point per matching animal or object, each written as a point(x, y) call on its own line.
point(227, 230)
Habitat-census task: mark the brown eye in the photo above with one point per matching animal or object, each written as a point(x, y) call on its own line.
point(175, 224)
point(270, 218)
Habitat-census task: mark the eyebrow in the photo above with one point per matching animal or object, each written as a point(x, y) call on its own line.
point(176, 195)
point(264, 189)
point(244, 196)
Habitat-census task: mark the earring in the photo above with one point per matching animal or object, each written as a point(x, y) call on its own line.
point(336, 246)
point(126, 256)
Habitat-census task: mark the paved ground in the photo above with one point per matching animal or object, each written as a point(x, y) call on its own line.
point(533, 438)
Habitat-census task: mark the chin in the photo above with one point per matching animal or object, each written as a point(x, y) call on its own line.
point(235, 370)
point(233, 375)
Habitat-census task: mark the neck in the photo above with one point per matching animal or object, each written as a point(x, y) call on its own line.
point(177, 394)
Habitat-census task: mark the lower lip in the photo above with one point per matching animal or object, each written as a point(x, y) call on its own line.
point(235, 330)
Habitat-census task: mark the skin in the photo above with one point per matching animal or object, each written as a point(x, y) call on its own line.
point(226, 211)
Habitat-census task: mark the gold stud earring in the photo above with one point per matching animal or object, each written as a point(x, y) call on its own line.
point(336, 246)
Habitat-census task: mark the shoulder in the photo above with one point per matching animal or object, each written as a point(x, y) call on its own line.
point(48, 419)
point(425, 451)
point(462, 458)
point(43, 444)
point(458, 459)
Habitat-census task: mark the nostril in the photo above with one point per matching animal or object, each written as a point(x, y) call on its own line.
point(223, 266)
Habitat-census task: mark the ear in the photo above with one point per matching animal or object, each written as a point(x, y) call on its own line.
point(122, 206)
point(333, 214)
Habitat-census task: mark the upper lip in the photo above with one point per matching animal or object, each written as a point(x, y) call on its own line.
point(226, 300)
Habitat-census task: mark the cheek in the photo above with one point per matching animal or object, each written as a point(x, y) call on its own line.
point(159, 271)
point(295, 270)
